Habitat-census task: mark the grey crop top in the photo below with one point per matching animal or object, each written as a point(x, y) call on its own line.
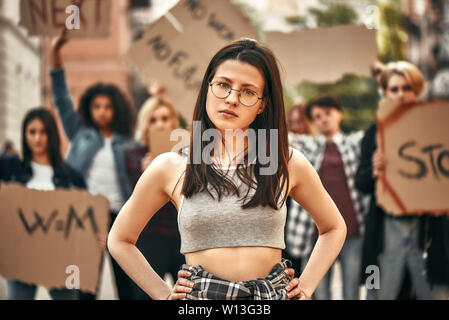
point(206, 223)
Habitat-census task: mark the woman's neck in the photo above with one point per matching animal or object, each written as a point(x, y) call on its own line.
point(233, 149)
point(42, 159)
point(107, 133)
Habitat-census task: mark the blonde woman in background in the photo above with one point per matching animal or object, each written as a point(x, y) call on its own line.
point(157, 113)
point(160, 237)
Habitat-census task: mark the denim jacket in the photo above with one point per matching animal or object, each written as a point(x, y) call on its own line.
point(87, 141)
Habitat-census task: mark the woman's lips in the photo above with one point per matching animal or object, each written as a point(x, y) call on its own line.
point(228, 114)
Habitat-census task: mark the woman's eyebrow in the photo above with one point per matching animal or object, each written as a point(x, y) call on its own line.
point(244, 85)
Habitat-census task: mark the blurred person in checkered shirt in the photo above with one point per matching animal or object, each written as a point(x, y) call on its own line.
point(297, 123)
point(335, 156)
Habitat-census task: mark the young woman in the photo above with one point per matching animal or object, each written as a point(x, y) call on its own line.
point(99, 135)
point(231, 215)
point(298, 122)
point(160, 239)
point(41, 168)
point(392, 242)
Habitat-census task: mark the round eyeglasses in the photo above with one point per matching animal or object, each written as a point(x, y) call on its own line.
point(222, 90)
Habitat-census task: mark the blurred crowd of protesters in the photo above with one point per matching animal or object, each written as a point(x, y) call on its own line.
point(412, 252)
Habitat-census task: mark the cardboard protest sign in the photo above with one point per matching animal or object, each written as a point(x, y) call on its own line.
point(162, 141)
point(324, 55)
point(415, 141)
point(82, 18)
point(178, 55)
point(50, 237)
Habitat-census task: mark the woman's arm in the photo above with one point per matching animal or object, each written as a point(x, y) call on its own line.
point(148, 197)
point(309, 192)
point(71, 121)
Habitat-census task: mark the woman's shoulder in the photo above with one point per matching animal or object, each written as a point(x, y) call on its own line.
point(297, 163)
point(13, 169)
point(73, 176)
point(164, 170)
point(170, 160)
point(295, 155)
point(10, 163)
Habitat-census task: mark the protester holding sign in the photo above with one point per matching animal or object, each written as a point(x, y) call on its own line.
point(99, 134)
point(231, 244)
point(393, 243)
point(160, 239)
point(41, 168)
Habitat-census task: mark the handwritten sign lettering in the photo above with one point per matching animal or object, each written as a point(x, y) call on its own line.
point(415, 141)
point(86, 18)
point(43, 232)
point(179, 58)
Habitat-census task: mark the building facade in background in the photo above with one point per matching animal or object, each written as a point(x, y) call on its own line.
point(20, 73)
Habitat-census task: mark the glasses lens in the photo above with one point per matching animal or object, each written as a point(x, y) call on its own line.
point(248, 98)
point(220, 90)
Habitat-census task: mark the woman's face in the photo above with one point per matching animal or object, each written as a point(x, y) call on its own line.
point(161, 119)
point(400, 90)
point(36, 137)
point(102, 111)
point(295, 122)
point(238, 76)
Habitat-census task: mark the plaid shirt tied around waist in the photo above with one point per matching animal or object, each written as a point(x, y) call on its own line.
point(209, 287)
point(300, 226)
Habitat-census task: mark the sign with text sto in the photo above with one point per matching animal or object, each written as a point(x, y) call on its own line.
point(415, 141)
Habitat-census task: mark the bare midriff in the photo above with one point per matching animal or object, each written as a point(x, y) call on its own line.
point(236, 263)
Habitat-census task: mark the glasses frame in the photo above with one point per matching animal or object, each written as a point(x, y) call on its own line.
point(229, 93)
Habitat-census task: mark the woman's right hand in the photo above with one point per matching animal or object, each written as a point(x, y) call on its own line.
point(182, 286)
point(56, 46)
point(155, 88)
point(378, 162)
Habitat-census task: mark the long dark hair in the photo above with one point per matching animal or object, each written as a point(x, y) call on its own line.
point(123, 120)
point(53, 148)
point(268, 187)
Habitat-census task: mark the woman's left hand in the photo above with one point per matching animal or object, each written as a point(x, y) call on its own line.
point(293, 288)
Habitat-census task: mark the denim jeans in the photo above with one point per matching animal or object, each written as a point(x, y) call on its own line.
point(18, 290)
point(350, 259)
point(401, 250)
